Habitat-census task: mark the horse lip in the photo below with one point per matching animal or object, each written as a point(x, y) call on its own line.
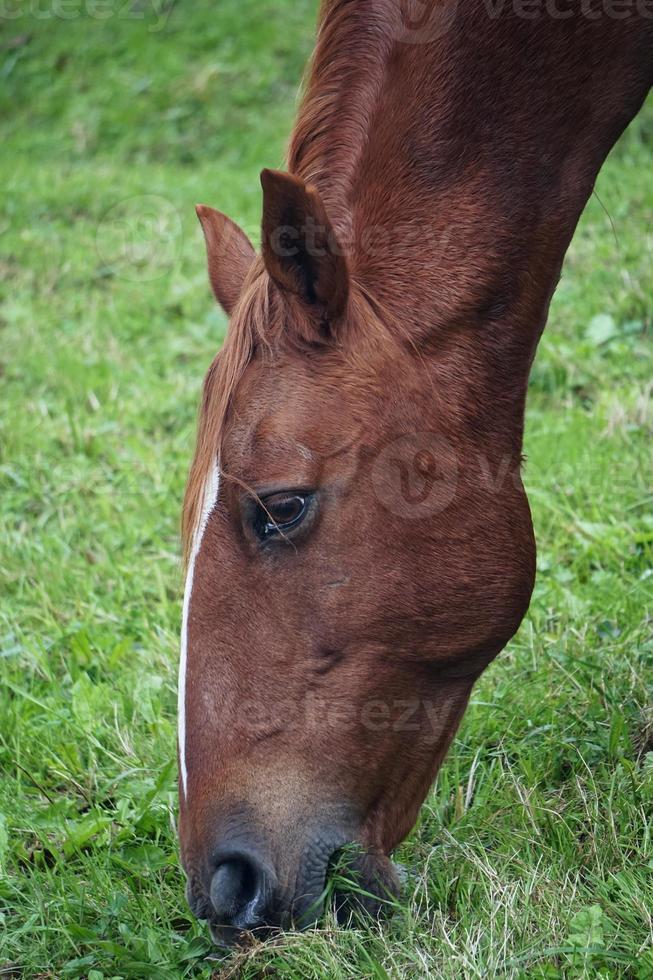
point(226, 937)
point(310, 889)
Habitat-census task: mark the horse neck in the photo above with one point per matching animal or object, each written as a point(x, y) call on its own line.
point(456, 169)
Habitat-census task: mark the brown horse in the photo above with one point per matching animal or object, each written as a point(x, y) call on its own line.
point(358, 538)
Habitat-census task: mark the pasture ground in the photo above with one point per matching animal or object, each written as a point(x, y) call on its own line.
point(533, 855)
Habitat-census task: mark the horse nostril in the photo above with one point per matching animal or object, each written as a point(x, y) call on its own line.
point(237, 893)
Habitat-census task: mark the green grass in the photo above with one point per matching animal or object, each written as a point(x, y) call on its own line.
point(533, 854)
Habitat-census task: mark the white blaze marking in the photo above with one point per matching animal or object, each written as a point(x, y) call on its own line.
point(210, 499)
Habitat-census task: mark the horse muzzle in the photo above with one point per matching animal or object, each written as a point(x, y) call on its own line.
point(242, 890)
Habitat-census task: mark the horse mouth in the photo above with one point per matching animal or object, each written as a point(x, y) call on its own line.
point(363, 883)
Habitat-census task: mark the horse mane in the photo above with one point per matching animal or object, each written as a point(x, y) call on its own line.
point(249, 326)
point(342, 87)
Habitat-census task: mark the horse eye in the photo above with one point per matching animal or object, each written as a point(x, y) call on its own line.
point(279, 513)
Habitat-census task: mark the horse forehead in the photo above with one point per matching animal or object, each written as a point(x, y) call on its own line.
point(276, 436)
point(286, 406)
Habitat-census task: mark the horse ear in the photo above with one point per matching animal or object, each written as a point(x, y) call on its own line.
point(230, 255)
point(300, 248)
